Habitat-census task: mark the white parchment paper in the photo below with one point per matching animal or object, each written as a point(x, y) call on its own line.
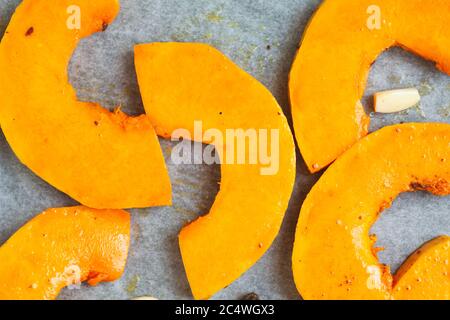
point(262, 37)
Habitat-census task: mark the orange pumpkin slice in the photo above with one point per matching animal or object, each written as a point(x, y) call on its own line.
point(333, 256)
point(99, 158)
point(62, 247)
point(329, 74)
point(185, 83)
point(426, 274)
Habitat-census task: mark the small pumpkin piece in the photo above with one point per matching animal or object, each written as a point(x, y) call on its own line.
point(101, 159)
point(182, 83)
point(62, 247)
point(329, 74)
point(342, 207)
point(426, 274)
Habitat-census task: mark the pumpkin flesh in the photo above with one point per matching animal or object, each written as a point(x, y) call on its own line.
point(99, 158)
point(329, 74)
point(333, 255)
point(184, 83)
point(61, 247)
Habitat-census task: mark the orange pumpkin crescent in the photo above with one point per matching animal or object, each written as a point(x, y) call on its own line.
point(61, 247)
point(186, 82)
point(333, 255)
point(340, 44)
point(101, 159)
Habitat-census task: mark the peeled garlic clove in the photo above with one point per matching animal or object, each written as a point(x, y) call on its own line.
point(396, 100)
point(144, 298)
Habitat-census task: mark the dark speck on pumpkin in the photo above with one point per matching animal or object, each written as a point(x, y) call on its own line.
point(29, 32)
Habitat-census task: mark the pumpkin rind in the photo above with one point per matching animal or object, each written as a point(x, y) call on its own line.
point(61, 247)
point(329, 74)
point(99, 158)
point(333, 256)
point(184, 83)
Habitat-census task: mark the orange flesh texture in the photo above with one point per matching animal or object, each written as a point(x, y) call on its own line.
point(184, 83)
point(99, 158)
point(61, 247)
point(426, 274)
point(329, 74)
point(333, 256)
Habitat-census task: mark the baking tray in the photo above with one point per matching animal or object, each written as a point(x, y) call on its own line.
point(262, 37)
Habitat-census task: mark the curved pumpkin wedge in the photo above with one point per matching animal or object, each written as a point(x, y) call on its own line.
point(99, 158)
point(333, 255)
point(183, 83)
point(330, 71)
point(62, 247)
point(416, 280)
